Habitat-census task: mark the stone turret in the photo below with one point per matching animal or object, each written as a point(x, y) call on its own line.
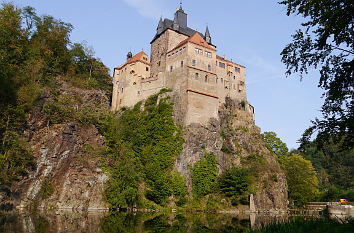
point(207, 35)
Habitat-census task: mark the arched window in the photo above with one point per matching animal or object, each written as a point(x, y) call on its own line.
point(196, 76)
point(206, 78)
point(209, 67)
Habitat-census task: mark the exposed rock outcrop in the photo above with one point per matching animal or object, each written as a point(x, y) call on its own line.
point(236, 134)
point(67, 176)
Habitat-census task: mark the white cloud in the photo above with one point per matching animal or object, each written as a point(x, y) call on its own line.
point(148, 8)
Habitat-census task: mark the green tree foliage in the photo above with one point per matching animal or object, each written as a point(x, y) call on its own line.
point(204, 175)
point(334, 167)
point(153, 141)
point(301, 178)
point(234, 182)
point(326, 42)
point(34, 52)
point(275, 144)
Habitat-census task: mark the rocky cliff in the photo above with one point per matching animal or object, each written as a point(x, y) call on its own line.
point(236, 141)
point(67, 147)
point(67, 175)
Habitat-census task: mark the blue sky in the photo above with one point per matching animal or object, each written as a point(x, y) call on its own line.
point(252, 33)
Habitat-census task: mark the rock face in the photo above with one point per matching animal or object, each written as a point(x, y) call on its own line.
point(236, 141)
point(67, 176)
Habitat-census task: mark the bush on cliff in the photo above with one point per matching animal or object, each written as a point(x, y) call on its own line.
point(204, 175)
point(153, 141)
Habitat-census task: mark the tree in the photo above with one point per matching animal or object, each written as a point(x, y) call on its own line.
point(274, 144)
point(326, 41)
point(301, 178)
point(234, 182)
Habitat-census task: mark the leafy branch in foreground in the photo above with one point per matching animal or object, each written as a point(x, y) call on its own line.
point(326, 41)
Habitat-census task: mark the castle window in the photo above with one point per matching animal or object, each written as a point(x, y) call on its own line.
point(237, 69)
point(196, 76)
point(234, 77)
point(171, 68)
point(196, 50)
point(209, 54)
point(180, 51)
point(209, 67)
point(194, 62)
point(222, 65)
point(200, 51)
point(122, 90)
point(206, 53)
point(181, 63)
point(222, 80)
point(159, 63)
point(184, 49)
point(147, 68)
point(134, 83)
point(206, 78)
point(138, 93)
point(172, 56)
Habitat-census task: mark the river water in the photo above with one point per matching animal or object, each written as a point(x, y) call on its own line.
point(130, 222)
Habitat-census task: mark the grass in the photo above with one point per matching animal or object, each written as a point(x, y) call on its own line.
point(300, 225)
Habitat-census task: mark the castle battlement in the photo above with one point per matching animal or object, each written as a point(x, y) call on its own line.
point(185, 61)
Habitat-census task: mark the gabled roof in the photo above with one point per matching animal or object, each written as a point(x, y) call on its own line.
point(195, 39)
point(137, 57)
point(227, 61)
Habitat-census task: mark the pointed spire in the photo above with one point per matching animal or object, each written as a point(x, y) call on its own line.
point(180, 5)
point(175, 22)
point(207, 35)
point(160, 26)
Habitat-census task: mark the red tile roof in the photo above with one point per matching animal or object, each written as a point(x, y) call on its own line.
point(137, 57)
point(195, 39)
point(227, 61)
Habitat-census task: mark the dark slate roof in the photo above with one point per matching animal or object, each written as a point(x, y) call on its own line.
point(168, 24)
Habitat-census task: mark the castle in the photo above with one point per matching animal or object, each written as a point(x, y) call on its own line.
point(185, 61)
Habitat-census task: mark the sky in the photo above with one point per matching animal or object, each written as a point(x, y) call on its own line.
point(251, 33)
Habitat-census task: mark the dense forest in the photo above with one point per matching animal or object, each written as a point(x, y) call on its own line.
point(315, 173)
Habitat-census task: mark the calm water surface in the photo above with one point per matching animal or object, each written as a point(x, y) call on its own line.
point(130, 222)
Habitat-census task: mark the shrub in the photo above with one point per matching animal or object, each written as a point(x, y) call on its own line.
point(204, 175)
point(234, 182)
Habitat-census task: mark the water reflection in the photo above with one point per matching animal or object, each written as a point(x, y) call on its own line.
point(130, 222)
